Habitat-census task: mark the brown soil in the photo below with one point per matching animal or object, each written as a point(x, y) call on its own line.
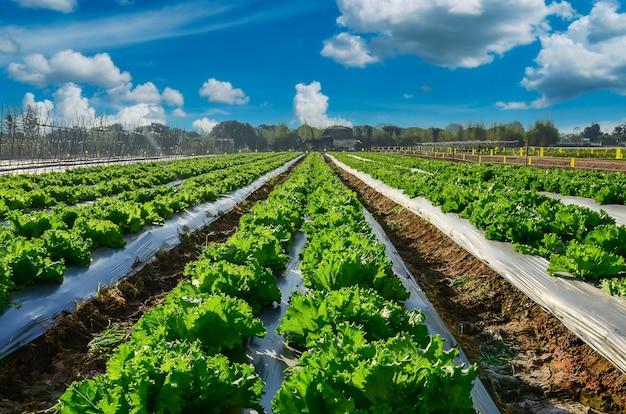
point(32, 378)
point(527, 359)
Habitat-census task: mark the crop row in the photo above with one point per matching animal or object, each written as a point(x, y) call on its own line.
point(31, 191)
point(39, 245)
point(364, 352)
point(187, 355)
point(576, 240)
point(602, 186)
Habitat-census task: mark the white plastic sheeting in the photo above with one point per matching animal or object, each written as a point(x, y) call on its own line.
point(270, 355)
point(592, 314)
point(418, 300)
point(36, 309)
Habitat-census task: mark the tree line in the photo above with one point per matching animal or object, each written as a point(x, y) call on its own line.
point(25, 135)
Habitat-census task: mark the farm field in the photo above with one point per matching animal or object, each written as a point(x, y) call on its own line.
point(526, 357)
point(544, 367)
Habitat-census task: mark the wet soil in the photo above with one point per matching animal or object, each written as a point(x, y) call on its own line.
point(529, 362)
point(32, 378)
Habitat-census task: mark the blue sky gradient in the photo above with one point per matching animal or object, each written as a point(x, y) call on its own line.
point(426, 63)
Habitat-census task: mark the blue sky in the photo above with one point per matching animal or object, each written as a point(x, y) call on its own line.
point(193, 64)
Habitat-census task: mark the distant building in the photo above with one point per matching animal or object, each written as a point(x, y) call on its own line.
point(340, 138)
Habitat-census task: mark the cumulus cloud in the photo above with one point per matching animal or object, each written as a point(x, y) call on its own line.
point(204, 125)
point(348, 50)
point(223, 92)
point(172, 97)
point(588, 57)
point(179, 113)
point(145, 93)
point(310, 106)
point(43, 109)
point(72, 107)
point(68, 66)
point(8, 45)
point(139, 115)
point(65, 6)
point(450, 33)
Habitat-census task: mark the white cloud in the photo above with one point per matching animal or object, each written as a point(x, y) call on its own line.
point(218, 91)
point(204, 125)
point(68, 66)
point(348, 50)
point(71, 107)
point(407, 95)
point(513, 105)
point(451, 33)
point(172, 97)
point(65, 6)
point(179, 113)
point(8, 45)
point(310, 106)
point(588, 57)
point(145, 93)
point(138, 115)
point(44, 109)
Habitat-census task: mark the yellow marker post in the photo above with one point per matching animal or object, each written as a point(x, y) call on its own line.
point(463, 157)
point(473, 151)
point(530, 160)
point(480, 158)
point(618, 153)
point(504, 160)
point(521, 152)
point(572, 162)
point(541, 152)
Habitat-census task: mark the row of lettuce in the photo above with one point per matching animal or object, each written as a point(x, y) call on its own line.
point(38, 245)
point(362, 352)
point(35, 191)
point(505, 202)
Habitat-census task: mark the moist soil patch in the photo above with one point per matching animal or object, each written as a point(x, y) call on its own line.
point(32, 378)
point(529, 362)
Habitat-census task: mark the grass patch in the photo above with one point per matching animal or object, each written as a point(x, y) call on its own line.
point(497, 351)
point(105, 341)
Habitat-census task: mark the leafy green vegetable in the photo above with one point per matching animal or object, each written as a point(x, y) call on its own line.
point(586, 262)
point(344, 373)
point(166, 377)
point(219, 322)
point(308, 313)
point(250, 282)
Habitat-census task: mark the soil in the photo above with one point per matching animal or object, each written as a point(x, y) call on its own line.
point(529, 362)
point(32, 378)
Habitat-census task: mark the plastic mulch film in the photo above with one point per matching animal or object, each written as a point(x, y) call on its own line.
point(589, 312)
point(270, 355)
point(36, 308)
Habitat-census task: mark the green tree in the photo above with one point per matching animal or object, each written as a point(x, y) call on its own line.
point(542, 134)
point(241, 134)
point(592, 132)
